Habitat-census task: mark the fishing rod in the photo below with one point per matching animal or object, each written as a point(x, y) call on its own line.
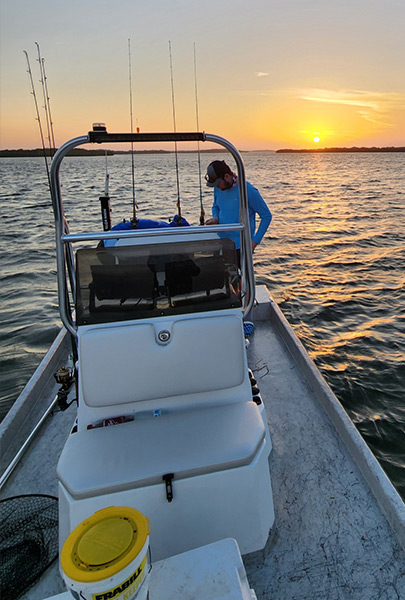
point(202, 211)
point(105, 200)
point(46, 106)
point(107, 175)
point(49, 106)
point(38, 117)
point(175, 143)
point(134, 204)
point(68, 248)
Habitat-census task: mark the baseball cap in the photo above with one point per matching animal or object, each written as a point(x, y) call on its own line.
point(216, 170)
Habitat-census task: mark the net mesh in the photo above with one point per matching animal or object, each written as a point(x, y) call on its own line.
point(28, 541)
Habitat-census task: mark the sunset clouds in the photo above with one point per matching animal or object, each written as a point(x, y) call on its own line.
point(269, 74)
point(374, 107)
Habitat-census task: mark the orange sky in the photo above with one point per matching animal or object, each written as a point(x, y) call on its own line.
point(271, 74)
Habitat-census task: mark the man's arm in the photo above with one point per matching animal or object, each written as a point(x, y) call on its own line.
point(258, 205)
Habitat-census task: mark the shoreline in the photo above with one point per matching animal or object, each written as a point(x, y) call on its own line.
point(340, 150)
point(38, 152)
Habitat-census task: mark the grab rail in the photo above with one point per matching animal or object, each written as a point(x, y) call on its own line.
point(64, 239)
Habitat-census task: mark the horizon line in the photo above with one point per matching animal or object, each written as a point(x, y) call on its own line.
point(99, 151)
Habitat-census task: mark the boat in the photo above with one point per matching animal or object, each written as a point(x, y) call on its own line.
point(213, 437)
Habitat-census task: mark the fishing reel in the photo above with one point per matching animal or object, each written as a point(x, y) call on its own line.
point(65, 377)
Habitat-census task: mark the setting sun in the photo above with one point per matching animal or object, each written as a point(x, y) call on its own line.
point(304, 102)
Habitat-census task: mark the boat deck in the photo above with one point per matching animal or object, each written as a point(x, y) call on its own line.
point(331, 538)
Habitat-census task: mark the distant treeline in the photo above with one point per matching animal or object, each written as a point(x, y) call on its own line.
point(353, 149)
point(84, 152)
point(99, 152)
point(48, 152)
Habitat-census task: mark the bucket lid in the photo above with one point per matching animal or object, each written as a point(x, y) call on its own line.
point(104, 544)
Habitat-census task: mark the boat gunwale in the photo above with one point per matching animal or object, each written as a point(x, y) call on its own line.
point(29, 405)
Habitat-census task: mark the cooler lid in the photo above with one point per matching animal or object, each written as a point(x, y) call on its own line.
point(104, 544)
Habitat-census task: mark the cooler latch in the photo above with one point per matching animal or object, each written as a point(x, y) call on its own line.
point(168, 478)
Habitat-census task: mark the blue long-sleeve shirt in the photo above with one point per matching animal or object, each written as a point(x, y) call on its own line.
point(226, 209)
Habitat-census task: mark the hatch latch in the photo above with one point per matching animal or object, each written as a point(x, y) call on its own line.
point(168, 478)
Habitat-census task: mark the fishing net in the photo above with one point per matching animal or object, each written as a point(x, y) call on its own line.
point(28, 541)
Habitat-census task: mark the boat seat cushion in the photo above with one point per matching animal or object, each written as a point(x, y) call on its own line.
point(138, 453)
point(128, 363)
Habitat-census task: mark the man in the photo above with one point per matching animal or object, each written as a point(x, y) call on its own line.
point(226, 202)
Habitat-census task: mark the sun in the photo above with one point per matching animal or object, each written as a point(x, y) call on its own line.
point(316, 139)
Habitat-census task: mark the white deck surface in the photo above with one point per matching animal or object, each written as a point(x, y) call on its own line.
point(330, 539)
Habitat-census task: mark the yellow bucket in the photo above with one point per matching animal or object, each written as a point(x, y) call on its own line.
point(106, 557)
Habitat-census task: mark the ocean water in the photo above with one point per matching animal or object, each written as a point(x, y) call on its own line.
point(333, 258)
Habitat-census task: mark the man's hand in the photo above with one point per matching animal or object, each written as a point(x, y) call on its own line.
point(212, 221)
